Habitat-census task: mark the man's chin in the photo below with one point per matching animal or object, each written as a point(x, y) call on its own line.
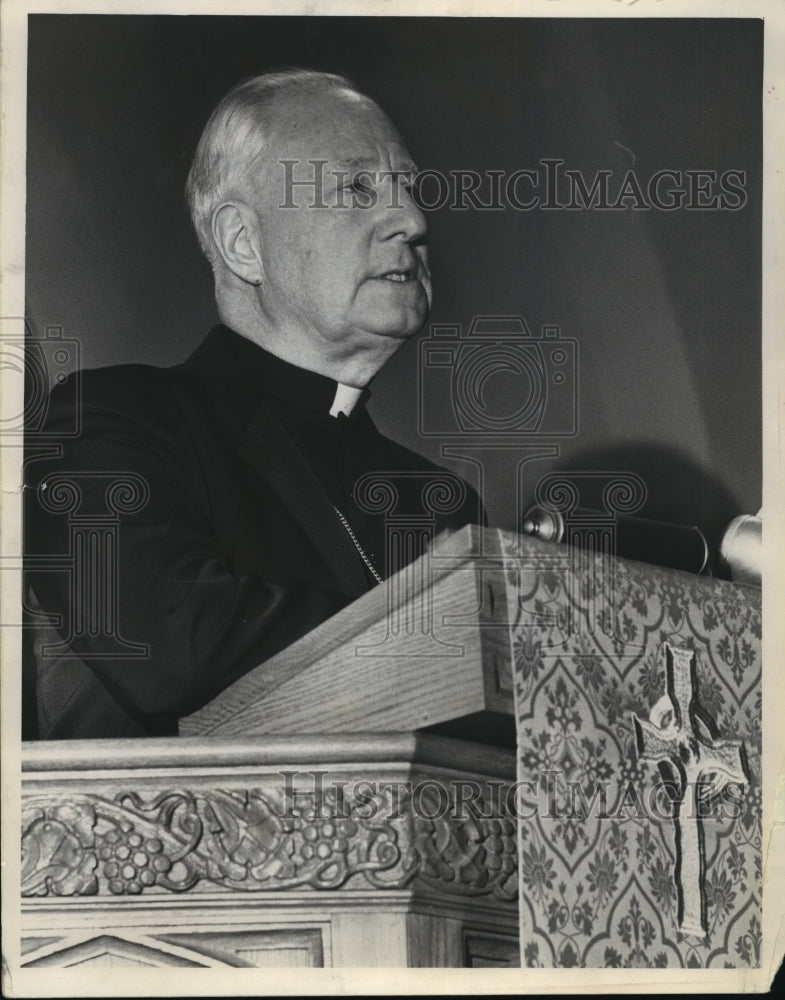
point(402, 311)
point(404, 327)
point(402, 335)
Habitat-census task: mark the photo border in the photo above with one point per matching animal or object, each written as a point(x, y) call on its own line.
point(156, 982)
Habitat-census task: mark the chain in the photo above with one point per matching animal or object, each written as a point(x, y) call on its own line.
point(357, 545)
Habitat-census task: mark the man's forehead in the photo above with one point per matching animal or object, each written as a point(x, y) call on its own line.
point(345, 129)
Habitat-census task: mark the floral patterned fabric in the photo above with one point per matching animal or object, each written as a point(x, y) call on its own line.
point(599, 859)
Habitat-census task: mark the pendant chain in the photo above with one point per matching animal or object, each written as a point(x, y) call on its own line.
point(357, 545)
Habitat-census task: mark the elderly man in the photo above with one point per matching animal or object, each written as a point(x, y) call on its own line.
point(226, 486)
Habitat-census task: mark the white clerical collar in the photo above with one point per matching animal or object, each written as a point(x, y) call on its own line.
point(346, 397)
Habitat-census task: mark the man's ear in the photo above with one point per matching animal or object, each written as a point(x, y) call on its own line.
point(236, 235)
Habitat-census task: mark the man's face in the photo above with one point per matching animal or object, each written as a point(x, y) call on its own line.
point(345, 275)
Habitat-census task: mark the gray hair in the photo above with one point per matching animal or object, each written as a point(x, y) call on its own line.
point(235, 135)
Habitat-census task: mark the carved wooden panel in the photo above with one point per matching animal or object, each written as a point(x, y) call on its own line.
point(294, 947)
point(109, 951)
point(244, 839)
point(259, 856)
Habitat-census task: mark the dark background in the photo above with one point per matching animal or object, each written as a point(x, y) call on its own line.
point(664, 306)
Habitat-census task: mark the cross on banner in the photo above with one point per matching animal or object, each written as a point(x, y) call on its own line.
point(678, 733)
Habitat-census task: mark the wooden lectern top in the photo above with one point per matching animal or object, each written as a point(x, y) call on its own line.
point(428, 646)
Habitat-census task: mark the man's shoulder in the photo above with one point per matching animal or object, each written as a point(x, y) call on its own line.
point(114, 385)
point(210, 379)
point(136, 392)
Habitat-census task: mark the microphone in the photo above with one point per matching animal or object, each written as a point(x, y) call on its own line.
point(676, 546)
point(741, 550)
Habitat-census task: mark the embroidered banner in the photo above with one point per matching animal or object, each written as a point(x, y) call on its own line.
point(638, 710)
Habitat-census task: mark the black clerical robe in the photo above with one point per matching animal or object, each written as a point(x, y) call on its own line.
point(204, 518)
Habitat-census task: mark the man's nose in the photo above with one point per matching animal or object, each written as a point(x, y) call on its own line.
point(401, 215)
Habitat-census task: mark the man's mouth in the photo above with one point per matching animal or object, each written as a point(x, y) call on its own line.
point(398, 274)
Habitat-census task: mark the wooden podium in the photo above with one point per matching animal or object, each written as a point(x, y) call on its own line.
point(322, 811)
point(432, 645)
